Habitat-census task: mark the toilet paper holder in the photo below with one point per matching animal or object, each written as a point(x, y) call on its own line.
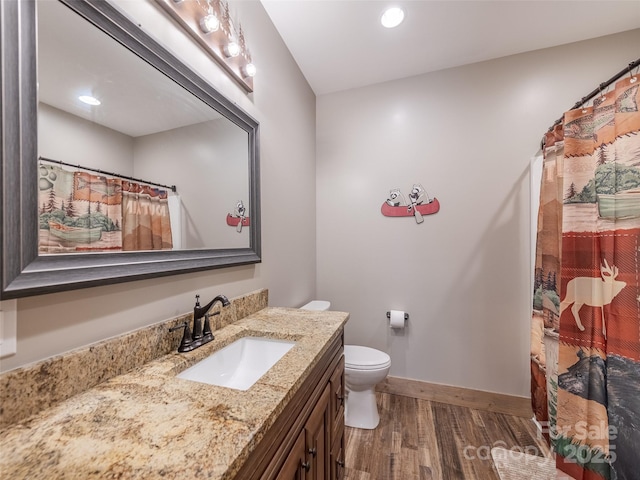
point(406, 315)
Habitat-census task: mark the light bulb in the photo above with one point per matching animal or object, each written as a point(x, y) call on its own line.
point(249, 70)
point(232, 49)
point(209, 23)
point(392, 17)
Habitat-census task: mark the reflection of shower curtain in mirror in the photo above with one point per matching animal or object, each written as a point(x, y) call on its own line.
point(78, 211)
point(82, 212)
point(145, 218)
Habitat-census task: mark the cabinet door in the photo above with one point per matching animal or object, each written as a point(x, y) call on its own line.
point(295, 466)
point(336, 458)
point(317, 439)
point(336, 400)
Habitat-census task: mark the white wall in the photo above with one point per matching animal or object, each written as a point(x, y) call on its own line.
point(284, 105)
point(467, 134)
point(66, 137)
point(208, 162)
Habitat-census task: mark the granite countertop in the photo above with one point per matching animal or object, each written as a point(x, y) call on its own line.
point(150, 424)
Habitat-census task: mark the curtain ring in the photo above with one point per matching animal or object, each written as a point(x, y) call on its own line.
point(602, 86)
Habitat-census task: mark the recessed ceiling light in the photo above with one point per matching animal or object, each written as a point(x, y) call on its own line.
point(89, 100)
point(392, 17)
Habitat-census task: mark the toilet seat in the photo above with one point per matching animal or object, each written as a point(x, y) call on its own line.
point(357, 357)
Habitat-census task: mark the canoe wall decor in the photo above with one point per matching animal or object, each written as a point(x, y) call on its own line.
point(419, 204)
point(238, 219)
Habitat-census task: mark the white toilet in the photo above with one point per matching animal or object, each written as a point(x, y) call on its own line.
point(364, 368)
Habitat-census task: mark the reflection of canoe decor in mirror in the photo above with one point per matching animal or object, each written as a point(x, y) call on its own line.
point(239, 218)
point(144, 115)
point(419, 204)
point(212, 26)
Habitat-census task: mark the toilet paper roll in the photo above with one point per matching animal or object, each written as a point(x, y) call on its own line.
point(396, 319)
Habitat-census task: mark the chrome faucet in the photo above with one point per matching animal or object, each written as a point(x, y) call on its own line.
point(201, 330)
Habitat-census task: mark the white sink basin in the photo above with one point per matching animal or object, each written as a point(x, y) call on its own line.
point(240, 364)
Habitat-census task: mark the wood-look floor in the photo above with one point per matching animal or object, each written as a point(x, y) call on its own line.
point(423, 440)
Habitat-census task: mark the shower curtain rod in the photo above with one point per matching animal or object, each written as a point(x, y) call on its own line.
point(172, 187)
point(598, 90)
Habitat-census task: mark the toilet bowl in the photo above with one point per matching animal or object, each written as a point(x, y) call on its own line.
point(364, 367)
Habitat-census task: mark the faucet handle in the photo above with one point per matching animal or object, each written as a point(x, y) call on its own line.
point(187, 339)
point(197, 300)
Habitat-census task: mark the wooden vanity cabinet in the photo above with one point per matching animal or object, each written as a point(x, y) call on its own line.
point(336, 409)
point(306, 442)
point(297, 456)
point(336, 457)
point(337, 398)
point(316, 431)
point(309, 457)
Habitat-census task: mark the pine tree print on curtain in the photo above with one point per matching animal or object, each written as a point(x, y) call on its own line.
point(78, 211)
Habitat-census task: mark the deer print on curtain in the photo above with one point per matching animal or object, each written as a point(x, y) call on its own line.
point(594, 292)
point(585, 348)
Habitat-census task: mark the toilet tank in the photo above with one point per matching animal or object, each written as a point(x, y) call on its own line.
point(316, 305)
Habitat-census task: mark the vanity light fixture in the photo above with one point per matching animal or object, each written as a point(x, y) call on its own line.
point(232, 49)
point(249, 70)
point(392, 17)
point(209, 23)
point(89, 100)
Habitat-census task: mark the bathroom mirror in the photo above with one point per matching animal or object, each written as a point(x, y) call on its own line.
point(161, 123)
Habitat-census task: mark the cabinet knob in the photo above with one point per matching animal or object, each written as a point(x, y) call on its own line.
point(340, 463)
point(313, 451)
point(340, 398)
point(306, 466)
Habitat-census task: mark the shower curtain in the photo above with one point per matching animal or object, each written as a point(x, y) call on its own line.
point(79, 212)
point(585, 348)
point(146, 223)
point(82, 212)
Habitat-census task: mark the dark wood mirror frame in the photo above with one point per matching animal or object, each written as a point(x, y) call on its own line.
point(24, 272)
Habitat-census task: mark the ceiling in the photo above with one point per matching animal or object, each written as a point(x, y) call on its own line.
point(136, 99)
point(340, 44)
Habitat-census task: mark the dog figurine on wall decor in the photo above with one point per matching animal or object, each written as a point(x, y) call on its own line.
point(419, 204)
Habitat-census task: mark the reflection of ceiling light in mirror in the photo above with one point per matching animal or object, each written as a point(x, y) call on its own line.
point(89, 100)
point(209, 23)
point(392, 17)
point(249, 70)
point(232, 49)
